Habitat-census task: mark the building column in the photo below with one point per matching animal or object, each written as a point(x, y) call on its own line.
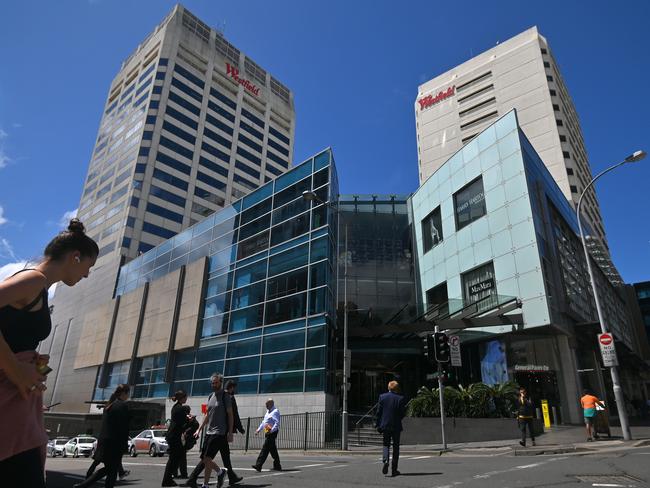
point(570, 381)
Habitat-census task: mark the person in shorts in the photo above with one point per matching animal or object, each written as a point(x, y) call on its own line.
point(219, 431)
point(588, 403)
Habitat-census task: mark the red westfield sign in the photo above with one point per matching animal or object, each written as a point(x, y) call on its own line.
point(430, 100)
point(234, 73)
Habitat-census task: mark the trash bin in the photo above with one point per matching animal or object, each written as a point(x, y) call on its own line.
point(601, 422)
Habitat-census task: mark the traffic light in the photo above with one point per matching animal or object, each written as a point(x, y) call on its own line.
point(429, 347)
point(441, 347)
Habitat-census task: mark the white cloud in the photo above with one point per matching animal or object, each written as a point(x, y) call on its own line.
point(6, 251)
point(65, 219)
point(9, 269)
point(4, 159)
point(3, 220)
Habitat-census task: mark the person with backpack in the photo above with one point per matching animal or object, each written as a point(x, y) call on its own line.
point(233, 478)
point(219, 431)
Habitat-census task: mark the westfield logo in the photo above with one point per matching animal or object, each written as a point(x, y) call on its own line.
point(233, 72)
point(430, 100)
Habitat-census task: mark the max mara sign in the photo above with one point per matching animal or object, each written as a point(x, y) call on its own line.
point(233, 72)
point(429, 100)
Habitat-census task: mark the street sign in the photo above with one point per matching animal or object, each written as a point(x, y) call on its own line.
point(454, 350)
point(607, 349)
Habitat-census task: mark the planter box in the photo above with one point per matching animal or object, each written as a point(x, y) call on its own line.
point(426, 430)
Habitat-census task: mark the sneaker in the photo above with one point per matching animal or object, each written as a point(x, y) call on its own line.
point(395, 473)
point(221, 477)
point(124, 474)
point(522, 443)
point(256, 467)
point(384, 468)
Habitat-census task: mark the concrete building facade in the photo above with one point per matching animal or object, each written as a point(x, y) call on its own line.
point(522, 73)
point(190, 124)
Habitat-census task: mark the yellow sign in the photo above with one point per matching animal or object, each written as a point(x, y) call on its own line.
point(547, 417)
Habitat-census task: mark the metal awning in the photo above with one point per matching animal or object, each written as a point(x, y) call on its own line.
point(490, 311)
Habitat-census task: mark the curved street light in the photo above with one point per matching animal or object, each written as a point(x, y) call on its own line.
point(618, 392)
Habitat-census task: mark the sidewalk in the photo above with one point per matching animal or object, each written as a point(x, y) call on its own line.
point(558, 439)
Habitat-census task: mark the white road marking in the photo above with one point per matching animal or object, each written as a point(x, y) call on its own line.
point(421, 457)
point(74, 476)
point(489, 474)
point(308, 466)
point(608, 484)
point(335, 466)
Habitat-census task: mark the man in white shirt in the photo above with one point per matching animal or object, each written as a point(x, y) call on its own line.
point(270, 425)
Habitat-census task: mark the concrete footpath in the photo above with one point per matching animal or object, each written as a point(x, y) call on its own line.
point(556, 440)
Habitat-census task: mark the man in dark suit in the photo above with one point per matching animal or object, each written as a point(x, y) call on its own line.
point(391, 411)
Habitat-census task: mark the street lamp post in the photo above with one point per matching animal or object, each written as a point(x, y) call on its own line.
point(311, 196)
point(618, 392)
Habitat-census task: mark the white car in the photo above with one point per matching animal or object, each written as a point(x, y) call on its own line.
point(82, 445)
point(55, 446)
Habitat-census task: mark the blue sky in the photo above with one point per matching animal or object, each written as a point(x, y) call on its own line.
point(354, 68)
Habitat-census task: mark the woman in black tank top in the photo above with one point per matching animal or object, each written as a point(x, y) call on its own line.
point(24, 322)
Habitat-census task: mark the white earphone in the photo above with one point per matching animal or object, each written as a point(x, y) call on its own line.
point(76, 258)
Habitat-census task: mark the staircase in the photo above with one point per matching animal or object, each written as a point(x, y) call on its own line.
point(365, 435)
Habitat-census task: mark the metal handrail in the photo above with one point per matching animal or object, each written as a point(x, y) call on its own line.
point(367, 414)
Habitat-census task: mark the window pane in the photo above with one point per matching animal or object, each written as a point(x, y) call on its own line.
point(242, 366)
point(284, 361)
point(219, 284)
point(246, 318)
point(287, 283)
point(319, 216)
point(284, 342)
point(320, 274)
point(316, 336)
point(249, 295)
point(201, 388)
point(286, 308)
point(317, 300)
point(294, 258)
point(246, 384)
point(281, 383)
point(182, 373)
point(244, 348)
point(289, 210)
point(315, 380)
point(293, 176)
point(469, 203)
point(211, 353)
point(291, 193)
point(253, 245)
point(250, 274)
point(205, 370)
point(319, 249)
point(315, 358)
point(217, 305)
point(256, 211)
point(215, 325)
point(255, 227)
point(432, 229)
point(290, 229)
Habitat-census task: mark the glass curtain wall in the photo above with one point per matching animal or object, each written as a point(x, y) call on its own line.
point(269, 293)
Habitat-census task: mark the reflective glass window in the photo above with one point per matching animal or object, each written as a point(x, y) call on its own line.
point(255, 227)
point(248, 347)
point(469, 203)
point(250, 274)
point(253, 245)
point(290, 229)
point(318, 300)
point(250, 295)
point(246, 318)
point(284, 342)
point(216, 305)
point(293, 258)
point(173, 163)
point(281, 382)
point(247, 384)
point(287, 308)
point(212, 353)
point(186, 104)
point(242, 366)
point(315, 358)
point(291, 209)
point(320, 274)
point(172, 112)
point(186, 89)
point(315, 380)
point(316, 336)
point(286, 284)
point(277, 159)
point(321, 178)
point(221, 111)
point(205, 370)
point(284, 361)
point(248, 155)
point(278, 134)
point(319, 216)
point(215, 325)
point(252, 118)
point(278, 147)
point(255, 211)
point(292, 177)
point(319, 248)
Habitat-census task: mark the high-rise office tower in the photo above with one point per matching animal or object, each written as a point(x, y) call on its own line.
point(190, 124)
point(520, 73)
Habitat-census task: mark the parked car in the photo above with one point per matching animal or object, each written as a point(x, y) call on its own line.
point(151, 441)
point(82, 445)
point(55, 446)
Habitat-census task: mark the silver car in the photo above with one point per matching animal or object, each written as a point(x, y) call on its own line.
point(151, 441)
point(55, 446)
point(82, 445)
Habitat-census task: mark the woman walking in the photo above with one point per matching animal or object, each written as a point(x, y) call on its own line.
point(176, 449)
point(113, 438)
point(525, 409)
point(24, 322)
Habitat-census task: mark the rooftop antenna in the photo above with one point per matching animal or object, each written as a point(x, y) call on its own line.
point(221, 28)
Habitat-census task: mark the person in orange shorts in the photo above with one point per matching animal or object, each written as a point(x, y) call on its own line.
point(588, 403)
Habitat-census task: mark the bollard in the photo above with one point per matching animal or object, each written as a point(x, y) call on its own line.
point(554, 412)
point(248, 430)
point(306, 430)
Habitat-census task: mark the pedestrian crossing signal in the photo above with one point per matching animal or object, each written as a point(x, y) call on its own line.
point(441, 347)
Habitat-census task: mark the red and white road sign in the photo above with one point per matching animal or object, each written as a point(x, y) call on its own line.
point(605, 339)
point(607, 349)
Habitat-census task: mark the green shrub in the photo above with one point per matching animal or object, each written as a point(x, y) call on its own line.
point(477, 400)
